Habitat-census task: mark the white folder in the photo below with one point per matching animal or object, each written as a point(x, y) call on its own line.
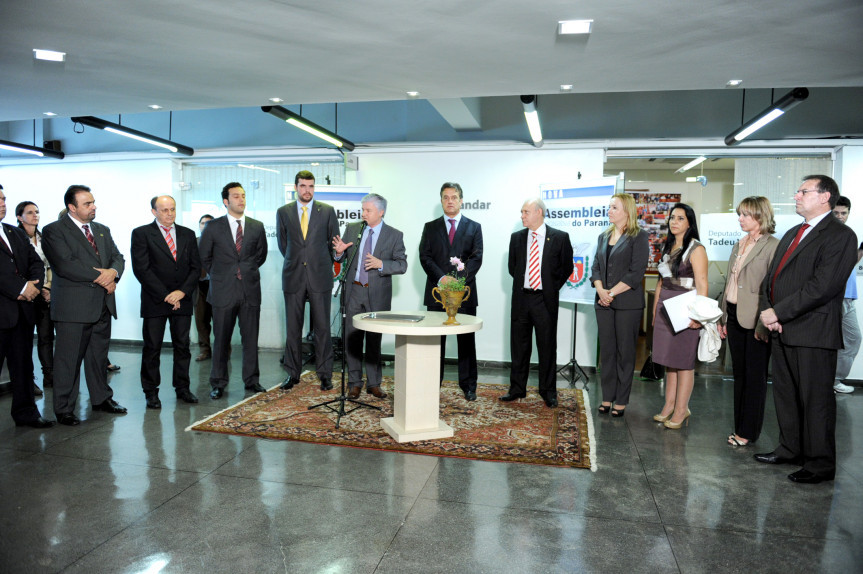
point(677, 308)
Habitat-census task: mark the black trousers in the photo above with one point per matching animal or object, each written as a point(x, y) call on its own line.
point(805, 405)
point(618, 335)
point(45, 339)
point(319, 316)
point(77, 343)
point(153, 333)
point(467, 373)
point(16, 345)
point(224, 319)
point(529, 316)
point(749, 358)
point(203, 317)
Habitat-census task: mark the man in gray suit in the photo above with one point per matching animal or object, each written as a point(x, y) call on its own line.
point(305, 228)
point(87, 266)
point(233, 249)
point(369, 287)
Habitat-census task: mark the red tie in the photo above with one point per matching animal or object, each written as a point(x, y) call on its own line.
point(451, 230)
point(89, 235)
point(170, 241)
point(788, 253)
point(533, 264)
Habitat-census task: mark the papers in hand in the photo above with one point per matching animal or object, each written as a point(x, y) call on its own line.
point(677, 308)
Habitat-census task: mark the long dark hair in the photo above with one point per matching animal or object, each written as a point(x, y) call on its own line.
point(19, 211)
point(691, 233)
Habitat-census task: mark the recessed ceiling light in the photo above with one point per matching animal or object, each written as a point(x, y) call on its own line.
point(413, 95)
point(155, 107)
point(49, 55)
point(566, 87)
point(315, 163)
point(567, 27)
point(277, 100)
point(733, 83)
point(48, 114)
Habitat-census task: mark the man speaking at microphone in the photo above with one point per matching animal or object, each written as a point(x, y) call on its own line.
point(369, 287)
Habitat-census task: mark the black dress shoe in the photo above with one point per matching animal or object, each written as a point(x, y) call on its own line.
point(217, 394)
point(68, 419)
point(256, 388)
point(470, 395)
point(511, 396)
point(550, 402)
point(37, 391)
point(804, 476)
point(153, 401)
point(773, 458)
point(110, 406)
point(187, 396)
point(113, 368)
point(203, 356)
point(289, 383)
point(326, 384)
point(40, 423)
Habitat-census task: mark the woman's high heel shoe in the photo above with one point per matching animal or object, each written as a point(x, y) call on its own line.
point(676, 426)
point(660, 418)
point(603, 409)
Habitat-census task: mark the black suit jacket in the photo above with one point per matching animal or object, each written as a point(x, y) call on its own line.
point(15, 271)
point(158, 272)
point(220, 258)
point(74, 296)
point(555, 269)
point(435, 253)
point(309, 259)
point(627, 263)
point(808, 292)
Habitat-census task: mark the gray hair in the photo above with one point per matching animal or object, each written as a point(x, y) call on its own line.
point(535, 202)
point(378, 200)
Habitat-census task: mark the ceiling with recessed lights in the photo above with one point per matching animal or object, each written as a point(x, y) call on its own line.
point(126, 56)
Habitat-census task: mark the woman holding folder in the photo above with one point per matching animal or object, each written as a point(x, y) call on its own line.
point(683, 268)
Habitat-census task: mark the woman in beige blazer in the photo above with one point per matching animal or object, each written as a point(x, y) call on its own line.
point(747, 337)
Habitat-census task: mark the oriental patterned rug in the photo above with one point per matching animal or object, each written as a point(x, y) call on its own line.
point(523, 431)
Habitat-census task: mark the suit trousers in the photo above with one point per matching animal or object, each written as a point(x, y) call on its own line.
point(153, 333)
point(805, 405)
point(532, 315)
point(203, 317)
point(749, 359)
point(224, 319)
point(850, 338)
point(618, 336)
point(16, 344)
point(45, 339)
point(467, 372)
point(319, 316)
point(77, 343)
point(359, 302)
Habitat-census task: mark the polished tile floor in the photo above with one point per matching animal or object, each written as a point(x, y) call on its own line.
point(136, 493)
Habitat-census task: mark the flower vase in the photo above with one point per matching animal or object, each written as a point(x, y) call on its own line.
point(451, 301)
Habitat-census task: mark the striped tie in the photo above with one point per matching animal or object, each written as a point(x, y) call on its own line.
point(533, 264)
point(170, 241)
point(89, 235)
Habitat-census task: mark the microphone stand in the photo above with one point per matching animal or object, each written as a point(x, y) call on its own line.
point(341, 292)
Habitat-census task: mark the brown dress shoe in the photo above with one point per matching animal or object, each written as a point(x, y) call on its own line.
point(376, 392)
point(203, 356)
point(354, 393)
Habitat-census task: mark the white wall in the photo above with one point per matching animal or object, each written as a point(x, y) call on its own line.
point(411, 183)
point(848, 172)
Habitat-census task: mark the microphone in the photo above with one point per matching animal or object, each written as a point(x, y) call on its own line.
point(362, 229)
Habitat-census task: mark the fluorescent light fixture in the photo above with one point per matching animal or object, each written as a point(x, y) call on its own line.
point(277, 100)
point(566, 87)
point(413, 95)
point(775, 110)
point(32, 150)
point(49, 55)
point(691, 179)
point(567, 27)
point(733, 83)
point(307, 126)
point(258, 168)
point(51, 114)
point(691, 164)
point(532, 118)
point(101, 124)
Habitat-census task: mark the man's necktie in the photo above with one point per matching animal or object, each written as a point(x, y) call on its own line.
point(451, 230)
point(304, 221)
point(367, 250)
point(239, 243)
point(788, 253)
point(533, 264)
point(170, 241)
point(8, 249)
point(89, 235)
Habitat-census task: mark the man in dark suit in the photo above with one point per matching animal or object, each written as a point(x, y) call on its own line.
point(22, 274)
point(801, 303)
point(305, 228)
point(233, 249)
point(379, 254)
point(87, 266)
point(203, 309)
point(540, 260)
point(165, 260)
point(453, 235)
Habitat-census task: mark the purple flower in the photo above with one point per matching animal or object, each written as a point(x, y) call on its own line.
point(460, 266)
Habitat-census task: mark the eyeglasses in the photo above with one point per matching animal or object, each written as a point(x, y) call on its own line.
point(805, 191)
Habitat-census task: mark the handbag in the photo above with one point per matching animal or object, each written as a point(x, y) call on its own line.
point(651, 370)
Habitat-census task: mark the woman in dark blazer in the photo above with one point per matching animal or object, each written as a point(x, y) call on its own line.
point(617, 271)
point(747, 337)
